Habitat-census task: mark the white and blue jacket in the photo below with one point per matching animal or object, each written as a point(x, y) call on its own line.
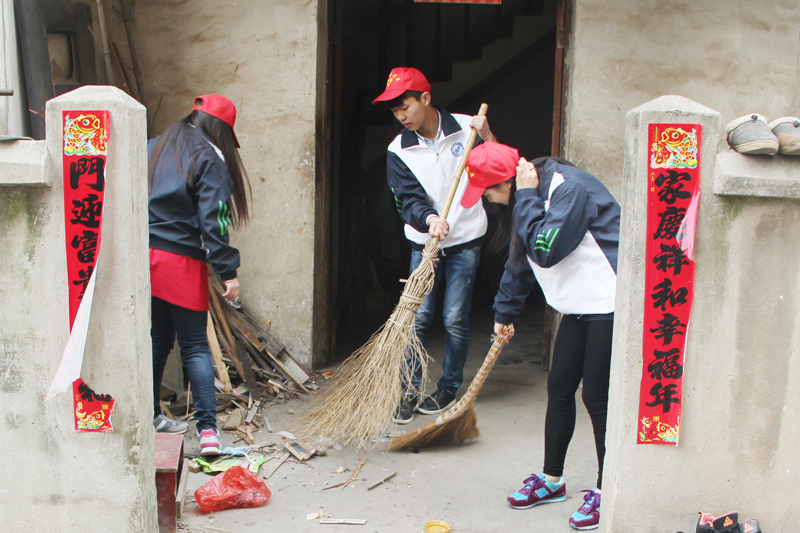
point(570, 226)
point(420, 179)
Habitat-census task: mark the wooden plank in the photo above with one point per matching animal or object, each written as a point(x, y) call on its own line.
point(216, 355)
point(250, 376)
point(180, 496)
point(382, 481)
point(234, 357)
point(220, 318)
point(234, 420)
point(168, 449)
point(281, 460)
point(301, 449)
point(249, 329)
point(243, 328)
point(352, 521)
point(240, 326)
point(276, 350)
point(252, 412)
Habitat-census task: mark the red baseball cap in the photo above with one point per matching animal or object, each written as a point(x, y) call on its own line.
point(402, 79)
point(488, 164)
point(218, 106)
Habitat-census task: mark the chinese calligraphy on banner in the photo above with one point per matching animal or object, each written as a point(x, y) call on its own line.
point(672, 200)
point(84, 162)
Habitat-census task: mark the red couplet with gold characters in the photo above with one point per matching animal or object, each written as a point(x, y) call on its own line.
point(673, 176)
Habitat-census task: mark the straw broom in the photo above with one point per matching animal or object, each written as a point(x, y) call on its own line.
point(459, 423)
point(370, 383)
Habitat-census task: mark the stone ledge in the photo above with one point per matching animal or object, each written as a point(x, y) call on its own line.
point(23, 163)
point(765, 176)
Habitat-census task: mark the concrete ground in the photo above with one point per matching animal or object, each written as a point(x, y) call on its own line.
point(465, 486)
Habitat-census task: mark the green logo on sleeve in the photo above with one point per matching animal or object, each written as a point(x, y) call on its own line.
point(223, 217)
point(544, 241)
point(397, 203)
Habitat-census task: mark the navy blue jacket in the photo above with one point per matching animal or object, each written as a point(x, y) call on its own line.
point(570, 227)
point(193, 219)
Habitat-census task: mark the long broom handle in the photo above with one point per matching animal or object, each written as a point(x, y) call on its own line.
point(477, 381)
point(473, 136)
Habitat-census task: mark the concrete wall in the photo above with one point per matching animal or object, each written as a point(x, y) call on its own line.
point(739, 435)
point(742, 57)
point(263, 55)
point(54, 477)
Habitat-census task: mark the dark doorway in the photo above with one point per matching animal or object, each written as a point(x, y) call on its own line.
point(503, 55)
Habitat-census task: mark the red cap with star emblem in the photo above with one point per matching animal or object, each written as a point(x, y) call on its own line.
point(217, 106)
point(402, 79)
point(488, 164)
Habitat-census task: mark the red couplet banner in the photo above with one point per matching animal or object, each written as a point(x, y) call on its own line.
point(84, 163)
point(672, 200)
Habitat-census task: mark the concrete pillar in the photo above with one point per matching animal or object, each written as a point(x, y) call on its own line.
point(650, 487)
point(739, 431)
point(54, 478)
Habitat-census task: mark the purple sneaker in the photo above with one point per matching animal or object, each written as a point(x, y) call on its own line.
point(537, 490)
point(588, 516)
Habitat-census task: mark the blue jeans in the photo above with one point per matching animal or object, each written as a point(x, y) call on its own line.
point(457, 272)
point(166, 320)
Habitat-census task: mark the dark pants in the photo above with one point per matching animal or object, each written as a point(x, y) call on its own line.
point(457, 272)
point(166, 320)
point(582, 351)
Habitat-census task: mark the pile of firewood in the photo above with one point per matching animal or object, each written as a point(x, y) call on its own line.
point(260, 361)
point(249, 357)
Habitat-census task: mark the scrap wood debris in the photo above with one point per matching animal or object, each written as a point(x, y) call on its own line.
point(253, 368)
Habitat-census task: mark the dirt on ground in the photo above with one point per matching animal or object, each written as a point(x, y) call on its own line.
point(465, 486)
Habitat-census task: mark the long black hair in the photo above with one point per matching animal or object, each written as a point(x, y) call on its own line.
point(176, 138)
point(506, 238)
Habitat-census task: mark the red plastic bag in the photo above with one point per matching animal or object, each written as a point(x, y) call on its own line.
point(236, 487)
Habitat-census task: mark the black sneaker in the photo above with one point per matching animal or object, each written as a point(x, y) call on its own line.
point(441, 400)
point(405, 413)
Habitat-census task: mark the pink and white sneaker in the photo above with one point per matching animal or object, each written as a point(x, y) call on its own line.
point(209, 442)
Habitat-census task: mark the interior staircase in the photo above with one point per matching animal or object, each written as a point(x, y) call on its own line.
point(461, 65)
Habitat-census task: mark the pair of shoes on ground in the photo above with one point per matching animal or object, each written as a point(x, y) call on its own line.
point(752, 135)
point(438, 402)
point(537, 490)
point(727, 523)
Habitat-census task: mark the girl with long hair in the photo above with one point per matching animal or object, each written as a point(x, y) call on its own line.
point(562, 225)
point(198, 190)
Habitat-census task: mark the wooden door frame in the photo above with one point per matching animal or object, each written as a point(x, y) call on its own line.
point(563, 30)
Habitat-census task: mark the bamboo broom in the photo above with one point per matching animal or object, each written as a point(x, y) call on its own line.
point(459, 423)
point(370, 383)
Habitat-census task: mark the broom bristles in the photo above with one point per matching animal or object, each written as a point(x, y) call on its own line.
point(459, 423)
point(460, 429)
point(370, 384)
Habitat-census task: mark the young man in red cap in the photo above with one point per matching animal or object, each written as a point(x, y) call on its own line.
point(421, 162)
